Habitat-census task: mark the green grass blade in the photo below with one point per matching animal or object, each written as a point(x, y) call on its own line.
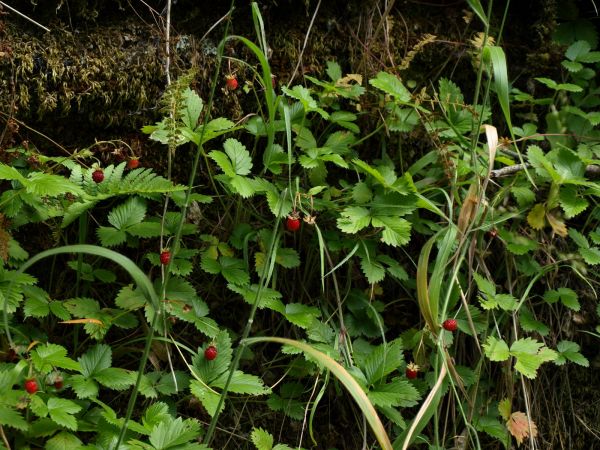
point(501, 83)
point(478, 9)
point(344, 377)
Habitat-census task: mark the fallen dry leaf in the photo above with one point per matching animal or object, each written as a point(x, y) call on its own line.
point(519, 425)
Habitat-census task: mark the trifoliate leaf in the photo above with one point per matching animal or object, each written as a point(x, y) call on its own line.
point(570, 351)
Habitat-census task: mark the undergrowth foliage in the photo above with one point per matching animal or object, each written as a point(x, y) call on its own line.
point(499, 234)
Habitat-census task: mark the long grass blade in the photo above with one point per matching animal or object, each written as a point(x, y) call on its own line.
point(344, 377)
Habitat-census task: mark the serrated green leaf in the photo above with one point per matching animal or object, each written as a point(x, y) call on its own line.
point(372, 269)
point(12, 418)
point(174, 434)
point(530, 355)
point(128, 213)
point(208, 398)
point(241, 161)
point(353, 219)
point(577, 50)
point(223, 162)
point(590, 255)
point(95, 360)
point(301, 315)
point(524, 195)
point(209, 371)
point(400, 392)
point(568, 350)
point(530, 324)
point(383, 360)
point(484, 285)
point(115, 378)
point(567, 296)
point(496, 350)
point(62, 441)
point(61, 411)
point(390, 84)
point(242, 383)
point(571, 203)
point(572, 66)
point(261, 439)
point(111, 237)
point(396, 231)
point(84, 387)
point(49, 356)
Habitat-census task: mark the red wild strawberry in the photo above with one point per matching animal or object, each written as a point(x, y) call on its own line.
point(210, 353)
point(231, 82)
point(98, 176)
point(165, 257)
point(450, 325)
point(58, 384)
point(31, 386)
point(292, 223)
point(412, 370)
point(133, 163)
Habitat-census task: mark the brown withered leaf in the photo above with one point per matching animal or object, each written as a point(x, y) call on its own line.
point(519, 425)
point(558, 226)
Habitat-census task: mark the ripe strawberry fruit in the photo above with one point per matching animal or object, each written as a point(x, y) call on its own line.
point(133, 163)
point(31, 386)
point(450, 325)
point(292, 223)
point(210, 353)
point(58, 384)
point(165, 257)
point(98, 176)
point(231, 82)
point(412, 370)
